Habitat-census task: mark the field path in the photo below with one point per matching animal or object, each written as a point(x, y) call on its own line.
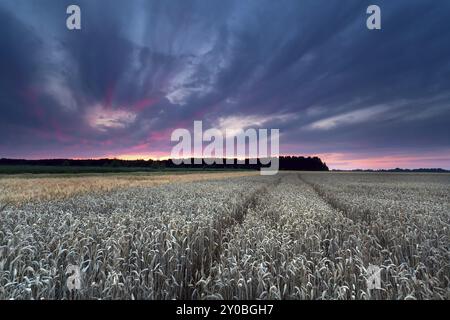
point(286, 239)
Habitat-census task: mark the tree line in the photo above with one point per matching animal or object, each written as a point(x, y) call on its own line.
point(285, 163)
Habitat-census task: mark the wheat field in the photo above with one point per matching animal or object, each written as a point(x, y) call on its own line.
point(296, 235)
point(24, 188)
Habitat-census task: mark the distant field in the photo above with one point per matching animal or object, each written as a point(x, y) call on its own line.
point(21, 188)
point(36, 169)
point(297, 235)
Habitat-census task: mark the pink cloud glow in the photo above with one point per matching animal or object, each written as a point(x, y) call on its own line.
point(348, 161)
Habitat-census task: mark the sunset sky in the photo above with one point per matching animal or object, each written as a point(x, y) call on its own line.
point(139, 69)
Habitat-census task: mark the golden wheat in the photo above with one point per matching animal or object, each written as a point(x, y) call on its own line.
point(20, 189)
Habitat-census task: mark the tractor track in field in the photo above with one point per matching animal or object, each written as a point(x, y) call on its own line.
point(202, 267)
point(364, 217)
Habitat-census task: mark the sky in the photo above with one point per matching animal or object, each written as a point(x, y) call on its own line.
point(139, 69)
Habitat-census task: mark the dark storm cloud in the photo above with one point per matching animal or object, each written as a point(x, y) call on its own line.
point(17, 68)
point(138, 69)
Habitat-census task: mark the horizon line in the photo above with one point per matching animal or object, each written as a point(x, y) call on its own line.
point(234, 158)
